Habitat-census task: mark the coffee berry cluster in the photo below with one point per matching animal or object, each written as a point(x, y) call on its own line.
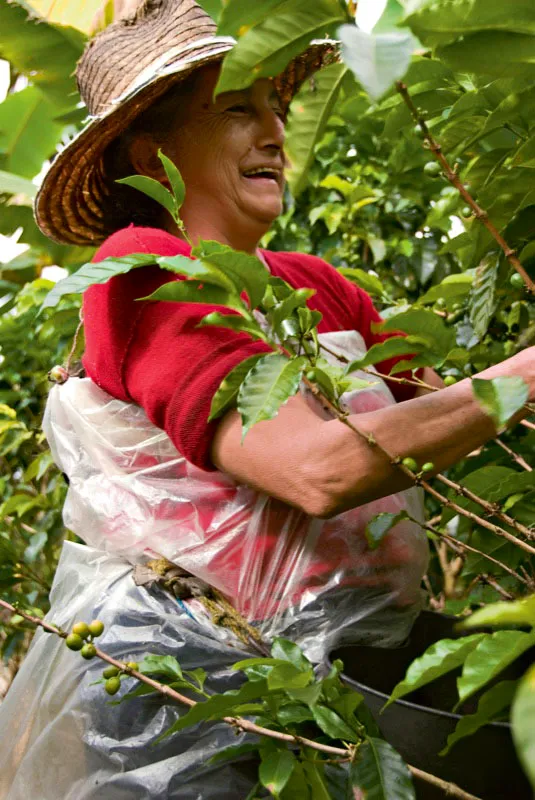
point(81, 638)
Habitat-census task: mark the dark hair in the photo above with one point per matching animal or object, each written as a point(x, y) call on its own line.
point(125, 205)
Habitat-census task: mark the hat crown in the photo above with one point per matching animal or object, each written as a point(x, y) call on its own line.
point(114, 60)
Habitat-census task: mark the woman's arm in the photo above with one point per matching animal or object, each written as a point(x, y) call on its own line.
point(324, 468)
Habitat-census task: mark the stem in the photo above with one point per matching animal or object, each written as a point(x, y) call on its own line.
point(370, 439)
point(454, 179)
point(237, 722)
point(518, 458)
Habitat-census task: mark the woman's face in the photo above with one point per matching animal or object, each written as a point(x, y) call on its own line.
point(230, 154)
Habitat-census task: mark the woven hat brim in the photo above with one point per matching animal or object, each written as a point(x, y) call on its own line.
point(68, 206)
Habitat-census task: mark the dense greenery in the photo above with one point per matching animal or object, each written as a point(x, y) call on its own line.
point(369, 193)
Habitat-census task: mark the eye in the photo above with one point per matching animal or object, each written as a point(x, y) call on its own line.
point(238, 109)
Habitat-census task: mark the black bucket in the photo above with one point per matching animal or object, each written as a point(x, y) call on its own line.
point(484, 764)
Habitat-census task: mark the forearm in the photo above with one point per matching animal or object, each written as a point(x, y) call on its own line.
point(440, 427)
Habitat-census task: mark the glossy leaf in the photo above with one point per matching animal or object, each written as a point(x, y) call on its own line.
point(375, 60)
point(153, 189)
point(91, 274)
point(226, 396)
point(15, 184)
point(284, 310)
point(219, 705)
point(28, 131)
point(394, 346)
point(515, 612)
point(270, 383)
point(315, 775)
point(491, 704)
point(501, 398)
point(475, 53)
point(287, 676)
point(453, 286)
point(80, 14)
point(44, 53)
point(195, 292)
point(275, 770)
point(425, 325)
point(238, 17)
point(522, 716)
point(378, 527)
point(380, 773)
point(197, 270)
point(247, 272)
point(161, 665)
point(332, 724)
point(495, 652)
point(234, 323)
point(286, 650)
point(309, 113)
point(174, 177)
point(266, 49)
point(370, 283)
point(439, 659)
point(482, 299)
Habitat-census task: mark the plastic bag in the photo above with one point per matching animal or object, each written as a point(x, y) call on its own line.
point(313, 581)
point(130, 491)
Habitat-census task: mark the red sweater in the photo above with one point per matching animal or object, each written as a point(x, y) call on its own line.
point(153, 354)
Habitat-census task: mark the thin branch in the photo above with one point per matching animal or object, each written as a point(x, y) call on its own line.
point(527, 424)
point(457, 545)
point(496, 586)
point(452, 176)
point(450, 789)
point(518, 458)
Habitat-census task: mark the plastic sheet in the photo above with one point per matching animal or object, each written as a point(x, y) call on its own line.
point(314, 581)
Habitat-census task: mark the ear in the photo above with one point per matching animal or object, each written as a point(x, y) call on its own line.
point(143, 154)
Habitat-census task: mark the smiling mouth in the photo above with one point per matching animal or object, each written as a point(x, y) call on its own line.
point(263, 174)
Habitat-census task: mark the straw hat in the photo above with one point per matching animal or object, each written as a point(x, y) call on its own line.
point(122, 72)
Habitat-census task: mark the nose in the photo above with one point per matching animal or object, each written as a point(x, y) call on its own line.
point(270, 130)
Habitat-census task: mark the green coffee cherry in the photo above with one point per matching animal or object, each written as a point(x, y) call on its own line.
point(311, 375)
point(467, 211)
point(132, 665)
point(110, 672)
point(449, 380)
point(88, 651)
point(112, 685)
point(432, 168)
point(417, 130)
point(81, 629)
point(440, 303)
point(428, 467)
point(410, 463)
point(74, 642)
point(516, 280)
point(96, 628)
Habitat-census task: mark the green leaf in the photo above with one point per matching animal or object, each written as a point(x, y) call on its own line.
point(289, 651)
point(46, 54)
point(161, 665)
point(293, 714)
point(492, 703)
point(332, 724)
point(495, 652)
point(370, 283)
point(219, 705)
point(90, 274)
point(375, 60)
point(238, 17)
point(394, 346)
point(270, 383)
point(266, 49)
point(482, 298)
point(153, 189)
point(14, 184)
point(439, 659)
point(501, 398)
point(287, 676)
point(516, 612)
point(309, 114)
point(380, 773)
point(283, 311)
point(380, 525)
point(427, 326)
point(440, 23)
point(226, 396)
point(476, 53)
point(80, 14)
point(197, 270)
point(522, 716)
point(275, 770)
point(174, 177)
point(195, 292)
point(315, 777)
point(453, 286)
point(28, 132)
point(247, 272)
point(234, 323)
point(233, 753)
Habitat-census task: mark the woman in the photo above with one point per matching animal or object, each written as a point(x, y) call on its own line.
point(276, 524)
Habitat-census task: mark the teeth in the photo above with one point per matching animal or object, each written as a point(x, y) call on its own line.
point(261, 171)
